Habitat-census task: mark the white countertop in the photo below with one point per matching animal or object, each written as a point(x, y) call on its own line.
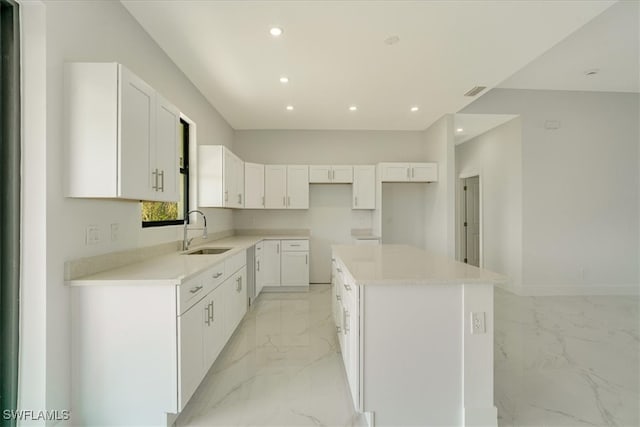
point(174, 268)
point(402, 264)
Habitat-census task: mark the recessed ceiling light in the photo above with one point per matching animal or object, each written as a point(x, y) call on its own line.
point(276, 31)
point(289, 107)
point(414, 109)
point(353, 108)
point(284, 79)
point(459, 130)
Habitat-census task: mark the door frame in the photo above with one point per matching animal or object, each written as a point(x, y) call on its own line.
point(460, 215)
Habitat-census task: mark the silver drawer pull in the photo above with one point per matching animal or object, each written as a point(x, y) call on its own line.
point(195, 290)
point(294, 246)
point(208, 315)
point(347, 287)
point(218, 274)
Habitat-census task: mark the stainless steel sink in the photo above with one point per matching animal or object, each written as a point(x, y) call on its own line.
point(208, 251)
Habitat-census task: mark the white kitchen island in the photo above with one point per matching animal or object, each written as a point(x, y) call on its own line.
point(416, 335)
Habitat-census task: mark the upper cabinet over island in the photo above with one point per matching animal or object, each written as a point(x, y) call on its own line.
point(122, 136)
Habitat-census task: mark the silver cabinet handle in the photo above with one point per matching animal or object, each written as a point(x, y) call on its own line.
point(240, 198)
point(347, 287)
point(195, 290)
point(413, 172)
point(161, 181)
point(328, 173)
point(288, 200)
point(226, 195)
point(333, 174)
point(408, 173)
point(258, 263)
point(356, 200)
point(218, 274)
point(207, 316)
point(284, 201)
point(262, 200)
point(239, 284)
point(294, 245)
point(278, 248)
point(211, 312)
point(155, 179)
point(306, 259)
point(346, 322)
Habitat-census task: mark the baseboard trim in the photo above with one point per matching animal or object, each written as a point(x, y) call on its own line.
point(572, 290)
point(485, 417)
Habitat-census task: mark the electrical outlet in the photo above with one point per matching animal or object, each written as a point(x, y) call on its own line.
point(478, 325)
point(115, 232)
point(92, 235)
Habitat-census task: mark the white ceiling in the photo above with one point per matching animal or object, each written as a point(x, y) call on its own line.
point(609, 43)
point(335, 56)
point(473, 125)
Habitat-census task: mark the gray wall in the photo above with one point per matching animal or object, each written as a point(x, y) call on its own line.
point(580, 186)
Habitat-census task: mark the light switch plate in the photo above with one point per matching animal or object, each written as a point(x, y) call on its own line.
point(92, 235)
point(478, 324)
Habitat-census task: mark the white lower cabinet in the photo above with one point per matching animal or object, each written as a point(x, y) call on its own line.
point(133, 369)
point(282, 263)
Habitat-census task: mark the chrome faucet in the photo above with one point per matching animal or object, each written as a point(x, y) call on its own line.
point(186, 241)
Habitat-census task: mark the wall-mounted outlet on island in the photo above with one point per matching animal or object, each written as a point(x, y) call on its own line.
point(92, 235)
point(478, 325)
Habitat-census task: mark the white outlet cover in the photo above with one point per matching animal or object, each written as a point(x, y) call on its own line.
point(478, 323)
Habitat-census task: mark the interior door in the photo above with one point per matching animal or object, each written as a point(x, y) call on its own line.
point(472, 220)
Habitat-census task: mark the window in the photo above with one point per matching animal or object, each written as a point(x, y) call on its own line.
point(155, 214)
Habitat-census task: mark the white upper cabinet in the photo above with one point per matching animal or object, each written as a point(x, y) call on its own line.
point(409, 172)
point(337, 174)
point(286, 187)
point(297, 187)
point(364, 187)
point(253, 186)
point(221, 177)
point(122, 137)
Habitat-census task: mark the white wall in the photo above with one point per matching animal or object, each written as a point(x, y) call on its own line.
point(496, 156)
point(440, 197)
point(329, 218)
point(98, 31)
point(580, 188)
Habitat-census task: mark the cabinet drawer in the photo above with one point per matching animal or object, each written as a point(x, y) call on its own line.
point(191, 292)
point(235, 262)
point(295, 245)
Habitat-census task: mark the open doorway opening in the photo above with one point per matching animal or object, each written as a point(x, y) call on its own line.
point(470, 222)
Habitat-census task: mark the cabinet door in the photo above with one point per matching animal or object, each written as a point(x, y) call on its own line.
point(259, 274)
point(295, 269)
point(235, 308)
point(137, 131)
point(342, 174)
point(228, 179)
point(167, 151)
point(271, 263)
point(213, 333)
point(424, 172)
point(253, 186)
point(320, 174)
point(190, 357)
point(275, 186)
point(239, 182)
point(364, 187)
point(298, 187)
point(210, 177)
point(395, 172)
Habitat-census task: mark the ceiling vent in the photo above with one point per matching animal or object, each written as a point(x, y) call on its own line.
point(476, 90)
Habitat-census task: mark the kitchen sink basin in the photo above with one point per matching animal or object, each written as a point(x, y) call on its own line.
point(208, 251)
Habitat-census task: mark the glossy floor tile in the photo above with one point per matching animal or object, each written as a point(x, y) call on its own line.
point(559, 362)
point(281, 368)
point(567, 360)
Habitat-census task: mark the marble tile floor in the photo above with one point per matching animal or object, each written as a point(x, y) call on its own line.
point(567, 360)
point(559, 362)
point(281, 368)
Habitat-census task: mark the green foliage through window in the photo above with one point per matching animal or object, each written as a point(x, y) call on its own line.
point(160, 211)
